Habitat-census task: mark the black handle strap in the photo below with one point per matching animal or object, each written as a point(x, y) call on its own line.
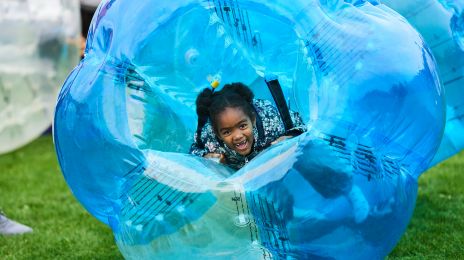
point(278, 96)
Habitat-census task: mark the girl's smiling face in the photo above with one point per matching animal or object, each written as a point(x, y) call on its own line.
point(235, 129)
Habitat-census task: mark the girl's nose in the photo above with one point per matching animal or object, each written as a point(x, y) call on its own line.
point(237, 135)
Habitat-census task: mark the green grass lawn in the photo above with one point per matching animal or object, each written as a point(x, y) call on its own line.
point(436, 230)
point(34, 192)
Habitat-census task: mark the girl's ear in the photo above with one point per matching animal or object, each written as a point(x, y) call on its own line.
point(254, 118)
point(218, 135)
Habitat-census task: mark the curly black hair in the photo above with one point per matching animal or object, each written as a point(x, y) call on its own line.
point(210, 104)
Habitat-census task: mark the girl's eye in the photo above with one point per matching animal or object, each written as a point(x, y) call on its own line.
point(243, 126)
point(225, 133)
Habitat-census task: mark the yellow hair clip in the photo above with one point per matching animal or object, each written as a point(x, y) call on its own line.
point(214, 84)
point(214, 80)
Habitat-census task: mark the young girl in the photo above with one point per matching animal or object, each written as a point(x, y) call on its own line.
point(234, 127)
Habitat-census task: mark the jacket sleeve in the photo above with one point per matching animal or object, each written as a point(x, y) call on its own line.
point(197, 149)
point(208, 142)
point(299, 126)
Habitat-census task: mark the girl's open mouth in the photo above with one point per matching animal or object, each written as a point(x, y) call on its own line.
point(242, 146)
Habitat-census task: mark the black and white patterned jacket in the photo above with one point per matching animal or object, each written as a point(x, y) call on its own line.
point(269, 126)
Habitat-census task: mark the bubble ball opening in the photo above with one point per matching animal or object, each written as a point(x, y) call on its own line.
point(360, 76)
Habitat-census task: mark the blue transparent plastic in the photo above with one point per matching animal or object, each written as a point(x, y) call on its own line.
point(361, 77)
point(445, 36)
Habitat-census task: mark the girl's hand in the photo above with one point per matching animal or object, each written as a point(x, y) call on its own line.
point(282, 138)
point(216, 157)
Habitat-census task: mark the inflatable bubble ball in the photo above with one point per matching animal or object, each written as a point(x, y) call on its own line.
point(361, 77)
point(39, 45)
point(445, 36)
